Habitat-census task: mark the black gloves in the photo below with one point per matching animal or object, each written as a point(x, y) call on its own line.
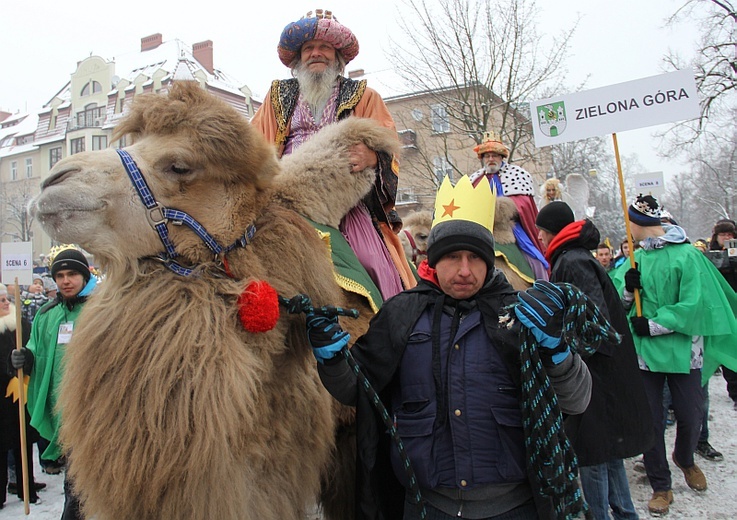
point(326, 336)
point(632, 280)
point(22, 358)
point(541, 309)
point(641, 325)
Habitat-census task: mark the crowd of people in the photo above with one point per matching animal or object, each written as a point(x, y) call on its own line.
point(508, 406)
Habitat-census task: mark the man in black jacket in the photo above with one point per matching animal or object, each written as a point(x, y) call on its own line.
point(445, 358)
point(617, 424)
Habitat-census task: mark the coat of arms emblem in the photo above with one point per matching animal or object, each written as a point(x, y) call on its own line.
point(551, 118)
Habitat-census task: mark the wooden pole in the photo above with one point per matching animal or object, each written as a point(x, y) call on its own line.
point(623, 194)
point(21, 402)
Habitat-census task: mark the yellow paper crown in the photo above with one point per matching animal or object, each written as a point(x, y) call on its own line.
point(464, 202)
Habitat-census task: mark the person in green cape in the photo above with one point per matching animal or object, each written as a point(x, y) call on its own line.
point(43, 356)
point(684, 333)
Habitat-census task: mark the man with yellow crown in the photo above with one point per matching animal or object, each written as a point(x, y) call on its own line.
point(445, 359)
point(510, 181)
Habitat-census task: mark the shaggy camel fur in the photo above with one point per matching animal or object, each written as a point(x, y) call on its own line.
point(418, 226)
point(171, 409)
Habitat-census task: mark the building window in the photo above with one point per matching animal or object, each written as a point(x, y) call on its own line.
point(91, 116)
point(99, 142)
point(29, 167)
point(93, 87)
point(13, 170)
point(77, 145)
point(439, 118)
point(442, 167)
point(408, 138)
point(54, 156)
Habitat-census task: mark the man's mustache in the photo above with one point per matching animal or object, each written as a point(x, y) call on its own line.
point(317, 60)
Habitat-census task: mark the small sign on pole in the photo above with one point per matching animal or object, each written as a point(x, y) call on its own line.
point(650, 183)
point(17, 262)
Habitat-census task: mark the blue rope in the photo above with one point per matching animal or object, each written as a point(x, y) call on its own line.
point(549, 452)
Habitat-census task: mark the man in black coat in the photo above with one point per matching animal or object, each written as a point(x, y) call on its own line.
point(445, 358)
point(617, 423)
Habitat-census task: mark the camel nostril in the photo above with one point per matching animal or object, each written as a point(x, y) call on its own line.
point(58, 177)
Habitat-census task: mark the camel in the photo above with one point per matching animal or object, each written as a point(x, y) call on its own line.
point(171, 408)
point(414, 233)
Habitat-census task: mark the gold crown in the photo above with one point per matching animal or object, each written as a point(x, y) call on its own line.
point(321, 14)
point(58, 249)
point(491, 136)
point(464, 202)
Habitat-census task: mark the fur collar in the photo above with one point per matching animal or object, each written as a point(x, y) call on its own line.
point(8, 322)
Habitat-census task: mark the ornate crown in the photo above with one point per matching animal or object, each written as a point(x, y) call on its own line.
point(491, 136)
point(321, 14)
point(58, 249)
point(464, 202)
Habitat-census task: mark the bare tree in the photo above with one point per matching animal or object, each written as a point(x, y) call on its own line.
point(714, 63)
point(477, 63)
point(14, 200)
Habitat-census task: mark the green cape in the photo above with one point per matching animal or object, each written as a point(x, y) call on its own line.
point(685, 293)
point(43, 386)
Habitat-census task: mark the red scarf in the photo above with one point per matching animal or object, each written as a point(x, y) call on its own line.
point(428, 273)
point(570, 232)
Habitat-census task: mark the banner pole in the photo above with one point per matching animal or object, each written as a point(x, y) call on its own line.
point(21, 403)
point(623, 195)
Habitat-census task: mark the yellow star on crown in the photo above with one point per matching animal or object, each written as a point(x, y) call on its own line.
point(464, 202)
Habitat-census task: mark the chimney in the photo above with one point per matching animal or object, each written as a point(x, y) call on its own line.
point(356, 73)
point(203, 53)
point(151, 42)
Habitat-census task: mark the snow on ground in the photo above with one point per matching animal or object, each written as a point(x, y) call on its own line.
point(718, 502)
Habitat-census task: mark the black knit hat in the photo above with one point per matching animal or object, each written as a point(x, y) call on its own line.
point(460, 235)
point(73, 260)
point(645, 211)
point(554, 216)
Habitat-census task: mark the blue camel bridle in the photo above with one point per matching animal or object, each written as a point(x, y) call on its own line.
point(159, 216)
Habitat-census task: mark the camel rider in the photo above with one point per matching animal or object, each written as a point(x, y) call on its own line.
point(43, 356)
point(316, 48)
point(516, 183)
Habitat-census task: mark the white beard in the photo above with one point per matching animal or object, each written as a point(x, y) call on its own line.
point(491, 169)
point(316, 87)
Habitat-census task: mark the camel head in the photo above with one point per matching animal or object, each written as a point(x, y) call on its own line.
point(196, 153)
point(417, 225)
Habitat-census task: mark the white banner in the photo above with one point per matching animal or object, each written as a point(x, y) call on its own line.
point(17, 262)
point(650, 183)
point(625, 106)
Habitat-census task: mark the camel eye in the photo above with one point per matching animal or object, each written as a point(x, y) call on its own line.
point(179, 170)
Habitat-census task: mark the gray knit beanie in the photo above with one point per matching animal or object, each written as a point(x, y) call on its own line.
point(460, 235)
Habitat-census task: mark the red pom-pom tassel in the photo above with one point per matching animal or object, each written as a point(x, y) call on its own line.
point(258, 307)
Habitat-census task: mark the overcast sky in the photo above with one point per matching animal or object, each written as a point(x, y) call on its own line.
point(42, 42)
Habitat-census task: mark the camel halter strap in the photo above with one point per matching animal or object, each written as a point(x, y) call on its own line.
point(159, 216)
point(415, 250)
